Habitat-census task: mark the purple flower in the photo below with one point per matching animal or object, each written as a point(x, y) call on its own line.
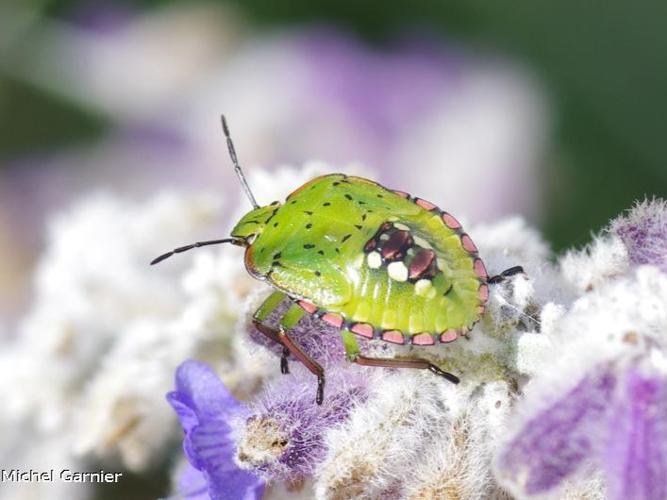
point(284, 433)
point(643, 230)
point(205, 408)
point(557, 440)
point(636, 457)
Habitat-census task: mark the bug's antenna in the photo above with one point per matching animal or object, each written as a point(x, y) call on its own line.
point(235, 241)
point(235, 161)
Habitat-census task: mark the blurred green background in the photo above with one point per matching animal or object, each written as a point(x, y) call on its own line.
point(603, 64)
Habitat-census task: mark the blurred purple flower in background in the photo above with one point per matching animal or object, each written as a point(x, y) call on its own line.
point(206, 408)
point(559, 439)
point(636, 456)
point(614, 418)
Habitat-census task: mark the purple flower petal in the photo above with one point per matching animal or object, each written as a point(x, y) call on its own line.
point(636, 458)
point(192, 485)
point(204, 407)
point(557, 440)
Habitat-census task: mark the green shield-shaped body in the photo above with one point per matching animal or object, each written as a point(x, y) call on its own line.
point(376, 261)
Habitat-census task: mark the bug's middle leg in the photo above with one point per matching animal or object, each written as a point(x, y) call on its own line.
point(352, 351)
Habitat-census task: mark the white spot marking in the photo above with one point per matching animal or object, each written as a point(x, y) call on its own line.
point(397, 271)
point(422, 242)
point(403, 227)
point(374, 260)
point(423, 287)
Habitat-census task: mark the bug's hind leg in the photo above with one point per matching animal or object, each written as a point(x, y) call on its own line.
point(352, 350)
point(506, 274)
point(406, 363)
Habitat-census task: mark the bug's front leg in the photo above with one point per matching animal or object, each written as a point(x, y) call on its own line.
point(352, 351)
point(268, 306)
point(280, 335)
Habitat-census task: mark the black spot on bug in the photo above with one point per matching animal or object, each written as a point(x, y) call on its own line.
point(293, 202)
point(321, 252)
point(336, 183)
point(326, 204)
point(276, 263)
point(358, 227)
point(274, 203)
point(261, 250)
point(345, 237)
point(317, 273)
point(349, 197)
point(451, 287)
point(275, 224)
point(308, 246)
point(308, 212)
point(363, 216)
point(277, 256)
point(361, 202)
point(337, 250)
point(309, 225)
point(380, 196)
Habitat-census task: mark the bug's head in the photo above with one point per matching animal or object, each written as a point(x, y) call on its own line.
point(253, 223)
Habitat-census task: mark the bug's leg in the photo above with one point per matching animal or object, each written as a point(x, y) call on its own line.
point(289, 321)
point(284, 367)
point(506, 274)
point(267, 307)
point(352, 351)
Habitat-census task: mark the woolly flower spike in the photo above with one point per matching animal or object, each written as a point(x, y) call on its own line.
point(613, 415)
point(283, 437)
point(643, 230)
point(205, 408)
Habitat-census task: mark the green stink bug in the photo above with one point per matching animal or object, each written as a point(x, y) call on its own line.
point(371, 261)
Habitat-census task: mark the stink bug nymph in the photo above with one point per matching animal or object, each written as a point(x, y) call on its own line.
point(371, 261)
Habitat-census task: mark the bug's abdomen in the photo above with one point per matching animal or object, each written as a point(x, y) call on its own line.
point(417, 282)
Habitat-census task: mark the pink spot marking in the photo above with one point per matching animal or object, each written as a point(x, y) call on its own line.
point(425, 204)
point(393, 336)
point(421, 263)
point(423, 339)
point(480, 269)
point(449, 336)
point(402, 194)
point(363, 329)
point(309, 307)
point(450, 221)
point(468, 244)
point(483, 292)
point(333, 319)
